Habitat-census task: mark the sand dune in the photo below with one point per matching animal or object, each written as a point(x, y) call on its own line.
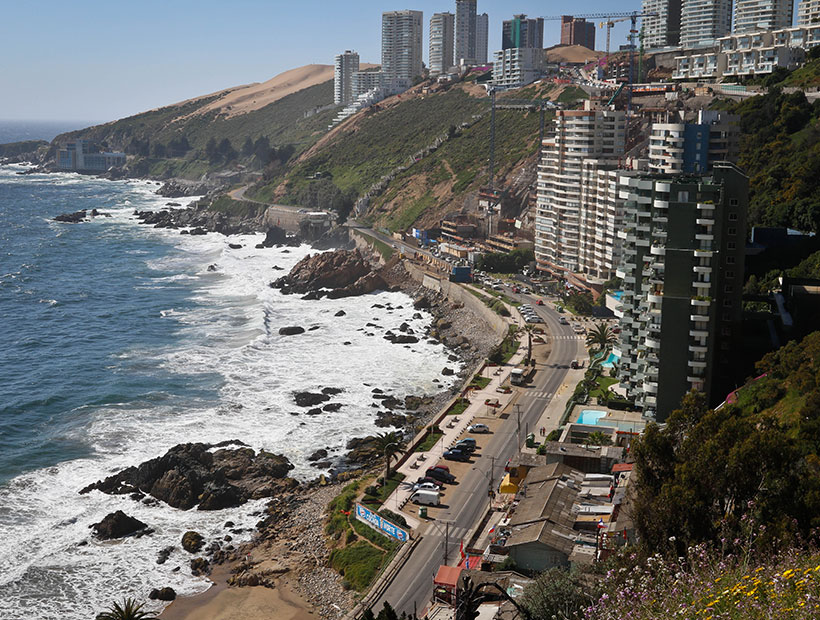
point(572, 53)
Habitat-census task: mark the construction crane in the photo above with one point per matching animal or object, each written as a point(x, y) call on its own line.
point(609, 24)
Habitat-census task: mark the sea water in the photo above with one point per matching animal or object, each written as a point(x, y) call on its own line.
point(118, 342)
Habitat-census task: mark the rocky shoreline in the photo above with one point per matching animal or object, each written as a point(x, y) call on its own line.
point(288, 545)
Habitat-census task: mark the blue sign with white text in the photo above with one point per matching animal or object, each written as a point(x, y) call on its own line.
point(381, 524)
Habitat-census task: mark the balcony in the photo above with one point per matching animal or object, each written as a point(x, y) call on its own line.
point(661, 204)
point(705, 237)
point(701, 303)
point(652, 343)
point(701, 253)
point(697, 364)
point(702, 221)
point(702, 269)
point(699, 317)
point(655, 298)
point(706, 206)
point(658, 250)
point(698, 333)
point(698, 348)
point(702, 286)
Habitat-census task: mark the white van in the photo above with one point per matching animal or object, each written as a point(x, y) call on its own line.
point(425, 497)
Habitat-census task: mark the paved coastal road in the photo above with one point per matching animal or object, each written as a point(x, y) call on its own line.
point(412, 588)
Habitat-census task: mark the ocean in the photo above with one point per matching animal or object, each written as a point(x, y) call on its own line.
point(18, 131)
point(119, 343)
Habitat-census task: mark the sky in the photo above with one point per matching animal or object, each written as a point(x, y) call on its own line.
point(98, 61)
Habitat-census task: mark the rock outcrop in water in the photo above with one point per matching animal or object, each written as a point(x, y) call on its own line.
point(345, 272)
point(193, 474)
point(179, 189)
point(118, 525)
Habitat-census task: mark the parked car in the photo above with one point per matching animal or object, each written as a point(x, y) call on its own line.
point(428, 480)
point(439, 474)
point(478, 428)
point(426, 486)
point(456, 454)
point(467, 447)
point(467, 441)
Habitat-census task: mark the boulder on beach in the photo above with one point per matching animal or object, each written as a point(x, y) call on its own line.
point(162, 594)
point(192, 541)
point(117, 525)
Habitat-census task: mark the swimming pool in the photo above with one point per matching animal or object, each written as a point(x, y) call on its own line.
point(590, 416)
point(610, 361)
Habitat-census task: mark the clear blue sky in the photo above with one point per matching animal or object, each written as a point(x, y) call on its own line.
point(92, 60)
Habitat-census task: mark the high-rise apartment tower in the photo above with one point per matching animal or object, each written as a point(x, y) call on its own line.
point(401, 44)
point(465, 44)
point(808, 12)
point(663, 30)
point(702, 22)
point(757, 15)
point(684, 241)
point(345, 66)
point(482, 38)
point(521, 31)
point(442, 42)
point(577, 32)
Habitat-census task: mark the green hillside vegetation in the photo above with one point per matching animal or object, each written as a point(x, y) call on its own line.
point(374, 144)
point(383, 140)
point(780, 151)
point(706, 472)
point(459, 166)
point(174, 140)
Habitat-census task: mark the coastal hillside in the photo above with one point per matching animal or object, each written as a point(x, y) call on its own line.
point(237, 127)
point(417, 156)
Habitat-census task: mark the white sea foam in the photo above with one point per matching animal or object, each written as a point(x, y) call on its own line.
point(50, 566)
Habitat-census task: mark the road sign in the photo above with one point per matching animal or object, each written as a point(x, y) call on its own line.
point(380, 524)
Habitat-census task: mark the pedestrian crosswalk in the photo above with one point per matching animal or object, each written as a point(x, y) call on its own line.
point(541, 394)
point(569, 337)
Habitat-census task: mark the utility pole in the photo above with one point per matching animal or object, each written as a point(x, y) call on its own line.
point(446, 542)
point(518, 411)
point(492, 140)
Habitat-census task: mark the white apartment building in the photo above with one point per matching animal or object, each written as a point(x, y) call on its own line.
point(560, 239)
point(482, 38)
point(517, 66)
point(693, 147)
point(402, 33)
point(442, 43)
point(704, 21)
point(808, 12)
point(345, 66)
point(756, 53)
point(663, 30)
point(757, 15)
point(602, 212)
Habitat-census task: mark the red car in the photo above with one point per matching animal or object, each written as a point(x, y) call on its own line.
point(539, 302)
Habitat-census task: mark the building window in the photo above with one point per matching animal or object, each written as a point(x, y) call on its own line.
point(728, 288)
point(730, 274)
point(730, 260)
point(732, 231)
point(731, 245)
point(733, 217)
point(733, 202)
point(726, 331)
point(683, 196)
point(727, 303)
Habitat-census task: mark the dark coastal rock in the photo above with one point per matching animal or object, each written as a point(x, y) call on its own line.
point(172, 204)
point(318, 455)
point(388, 418)
point(276, 236)
point(340, 313)
point(332, 407)
point(164, 554)
point(117, 525)
point(162, 594)
point(313, 328)
point(447, 372)
point(200, 566)
point(391, 402)
point(421, 303)
point(330, 270)
point(291, 331)
point(401, 339)
point(199, 231)
point(417, 315)
point(180, 189)
point(413, 403)
point(363, 450)
point(191, 474)
point(235, 246)
point(310, 399)
point(212, 268)
point(332, 391)
point(315, 411)
point(72, 218)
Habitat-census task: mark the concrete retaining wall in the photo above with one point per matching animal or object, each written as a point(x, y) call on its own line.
point(459, 294)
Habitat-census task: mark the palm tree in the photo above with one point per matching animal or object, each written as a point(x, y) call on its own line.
point(128, 610)
point(599, 438)
point(601, 336)
point(388, 444)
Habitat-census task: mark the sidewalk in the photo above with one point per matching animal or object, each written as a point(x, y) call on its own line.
point(551, 416)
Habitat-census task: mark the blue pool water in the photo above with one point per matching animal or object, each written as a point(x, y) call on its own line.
point(590, 416)
point(610, 361)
